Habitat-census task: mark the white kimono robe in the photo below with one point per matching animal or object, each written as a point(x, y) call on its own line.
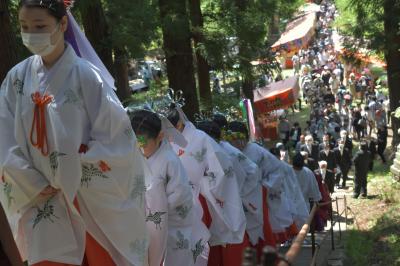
point(300, 210)
point(169, 201)
point(308, 185)
point(211, 174)
point(107, 181)
point(279, 206)
point(249, 180)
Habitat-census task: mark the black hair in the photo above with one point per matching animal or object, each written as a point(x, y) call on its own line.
point(236, 126)
point(146, 123)
point(298, 161)
point(173, 117)
point(211, 128)
point(220, 120)
point(275, 151)
point(56, 8)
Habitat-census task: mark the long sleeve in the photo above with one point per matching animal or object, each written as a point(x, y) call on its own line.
point(220, 188)
point(113, 170)
point(180, 215)
point(157, 220)
point(20, 181)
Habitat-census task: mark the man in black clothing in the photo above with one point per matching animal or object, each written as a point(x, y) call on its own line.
point(311, 148)
point(382, 142)
point(309, 162)
point(372, 150)
point(361, 161)
point(329, 97)
point(343, 160)
point(328, 177)
point(328, 156)
point(348, 142)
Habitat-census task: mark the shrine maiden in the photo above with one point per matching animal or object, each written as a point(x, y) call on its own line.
point(278, 203)
point(71, 172)
point(169, 198)
point(211, 174)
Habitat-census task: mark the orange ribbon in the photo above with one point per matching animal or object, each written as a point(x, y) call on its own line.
point(39, 122)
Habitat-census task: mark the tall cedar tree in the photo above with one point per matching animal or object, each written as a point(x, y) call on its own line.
point(178, 51)
point(392, 55)
point(8, 52)
point(203, 74)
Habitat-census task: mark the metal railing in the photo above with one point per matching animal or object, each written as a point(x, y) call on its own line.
point(271, 257)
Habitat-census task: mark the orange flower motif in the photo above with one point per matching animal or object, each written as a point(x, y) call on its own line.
point(104, 166)
point(181, 152)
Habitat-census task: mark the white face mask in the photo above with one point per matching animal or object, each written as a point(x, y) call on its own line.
point(40, 43)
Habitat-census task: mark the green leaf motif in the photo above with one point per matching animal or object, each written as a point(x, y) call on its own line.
point(181, 243)
point(199, 155)
point(7, 189)
point(211, 177)
point(19, 86)
point(198, 249)
point(156, 218)
point(89, 171)
point(228, 173)
point(139, 188)
point(54, 160)
point(71, 97)
point(241, 157)
point(183, 210)
point(47, 213)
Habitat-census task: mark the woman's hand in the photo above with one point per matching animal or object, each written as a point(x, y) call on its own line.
point(49, 191)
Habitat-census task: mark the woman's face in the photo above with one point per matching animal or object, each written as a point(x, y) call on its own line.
point(38, 20)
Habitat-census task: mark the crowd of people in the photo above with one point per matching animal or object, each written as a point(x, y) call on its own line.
point(344, 106)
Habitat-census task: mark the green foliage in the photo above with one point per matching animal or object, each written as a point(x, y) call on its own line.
point(22, 52)
point(379, 243)
point(361, 22)
point(132, 24)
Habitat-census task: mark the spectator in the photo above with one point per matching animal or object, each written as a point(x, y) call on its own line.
point(284, 129)
point(343, 160)
point(360, 160)
point(382, 142)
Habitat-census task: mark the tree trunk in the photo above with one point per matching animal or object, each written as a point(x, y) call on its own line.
point(246, 68)
point(273, 33)
point(121, 77)
point(203, 68)
point(8, 55)
point(96, 30)
point(178, 51)
point(392, 55)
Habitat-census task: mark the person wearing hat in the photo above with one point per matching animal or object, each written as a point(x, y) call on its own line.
point(361, 160)
point(283, 153)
